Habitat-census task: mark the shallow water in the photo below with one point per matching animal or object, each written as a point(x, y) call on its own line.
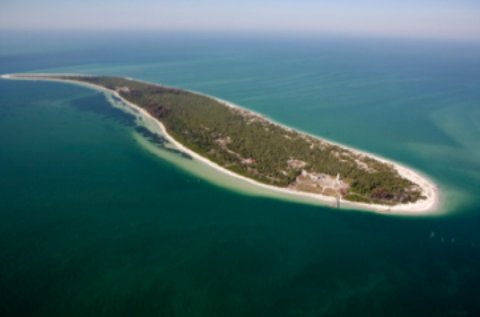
point(96, 219)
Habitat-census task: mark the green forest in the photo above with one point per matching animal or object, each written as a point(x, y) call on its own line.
point(250, 145)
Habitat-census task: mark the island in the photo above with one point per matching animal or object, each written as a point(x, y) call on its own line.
point(248, 145)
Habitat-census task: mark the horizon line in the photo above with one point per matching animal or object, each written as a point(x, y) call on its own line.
point(263, 32)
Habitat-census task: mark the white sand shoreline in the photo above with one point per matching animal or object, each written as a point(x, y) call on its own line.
point(421, 207)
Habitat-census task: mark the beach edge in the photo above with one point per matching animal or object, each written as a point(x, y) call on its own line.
point(428, 206)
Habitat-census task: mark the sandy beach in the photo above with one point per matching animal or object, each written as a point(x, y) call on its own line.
point(430, 205)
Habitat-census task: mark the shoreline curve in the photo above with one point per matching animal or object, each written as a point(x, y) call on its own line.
point(428, 206)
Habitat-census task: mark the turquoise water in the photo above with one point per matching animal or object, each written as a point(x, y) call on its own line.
point(94, 223)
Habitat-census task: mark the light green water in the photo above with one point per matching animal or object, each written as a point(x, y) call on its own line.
point(97, 220)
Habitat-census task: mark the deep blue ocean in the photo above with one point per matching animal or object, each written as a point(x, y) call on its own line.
point(93, 223)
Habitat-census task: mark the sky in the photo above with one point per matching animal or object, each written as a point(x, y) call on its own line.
point(451, 19)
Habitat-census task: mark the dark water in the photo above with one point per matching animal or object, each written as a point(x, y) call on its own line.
point(93, 224)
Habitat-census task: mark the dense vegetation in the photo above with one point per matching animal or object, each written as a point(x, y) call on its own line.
point(252, 146)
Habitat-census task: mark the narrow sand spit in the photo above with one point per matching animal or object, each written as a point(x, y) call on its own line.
point(421, 207)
